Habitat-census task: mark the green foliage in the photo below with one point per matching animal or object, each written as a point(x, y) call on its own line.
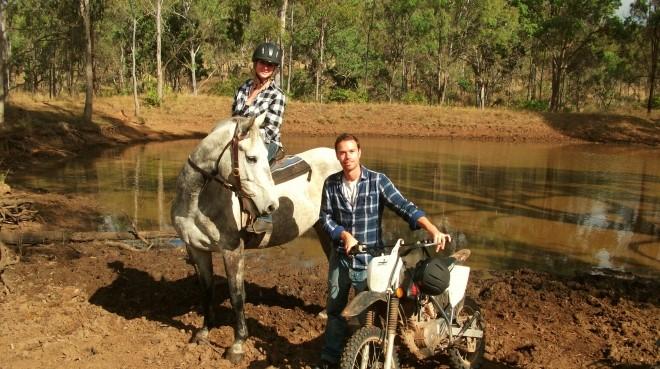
point(413, 97)
point(228, 86)
point(465, 84)
point(150, 98)
point(389, 50)
point(344, 95)
point(655, 103)
point(533, 105)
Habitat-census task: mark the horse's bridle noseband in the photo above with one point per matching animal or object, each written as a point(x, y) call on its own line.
point(238, 188)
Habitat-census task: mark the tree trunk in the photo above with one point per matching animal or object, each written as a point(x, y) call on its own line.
point(439, 73)
point(282, 15)
point(319, 67)
point(122, 71)
point(654, 64)
point(366, 53)
point(3, 61)
point(193, 68)
point(85, 11)
point(557, 69)
point(136, 103)
point(481, 95)
point(288, 82)
point(531, 87)
point(159, 61)
point(445, 83)
point(541, 77)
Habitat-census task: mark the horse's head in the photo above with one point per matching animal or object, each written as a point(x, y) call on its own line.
point(254, 170)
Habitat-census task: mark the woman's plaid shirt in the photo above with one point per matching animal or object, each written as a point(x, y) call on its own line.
point(375, 191)
point(270, 101)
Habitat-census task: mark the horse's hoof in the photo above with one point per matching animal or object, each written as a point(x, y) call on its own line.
point(234, 357)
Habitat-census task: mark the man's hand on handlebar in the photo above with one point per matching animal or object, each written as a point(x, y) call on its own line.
point(349, 241)
point(438, 237)
point(441, 239)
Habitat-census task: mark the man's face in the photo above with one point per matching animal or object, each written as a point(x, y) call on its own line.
point(348, 155)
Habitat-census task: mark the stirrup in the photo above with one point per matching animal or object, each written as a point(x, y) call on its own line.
point(259, 226)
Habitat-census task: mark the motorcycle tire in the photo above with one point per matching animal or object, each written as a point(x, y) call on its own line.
point(459, 356)
point(366, 338)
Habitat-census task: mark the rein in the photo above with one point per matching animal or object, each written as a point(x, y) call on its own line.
point(236, 189)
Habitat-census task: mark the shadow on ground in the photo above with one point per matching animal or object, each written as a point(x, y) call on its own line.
point(606, 127)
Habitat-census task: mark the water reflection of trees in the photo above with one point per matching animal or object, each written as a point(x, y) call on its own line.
point(592, 200)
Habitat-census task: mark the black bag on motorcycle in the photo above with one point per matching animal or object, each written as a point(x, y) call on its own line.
point(432, 275)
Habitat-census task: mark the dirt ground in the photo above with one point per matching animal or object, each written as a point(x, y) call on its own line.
point(100, 305)
point(94, 305)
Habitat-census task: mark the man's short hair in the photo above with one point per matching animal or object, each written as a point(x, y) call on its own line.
point(346, 137)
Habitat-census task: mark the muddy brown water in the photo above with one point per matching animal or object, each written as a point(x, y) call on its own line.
point(556, 208)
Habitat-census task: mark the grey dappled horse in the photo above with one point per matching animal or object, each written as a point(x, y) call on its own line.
point(226, 177)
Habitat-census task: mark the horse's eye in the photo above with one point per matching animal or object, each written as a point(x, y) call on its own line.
point(251, 159)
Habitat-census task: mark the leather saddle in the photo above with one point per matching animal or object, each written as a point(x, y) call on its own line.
point(289, 167)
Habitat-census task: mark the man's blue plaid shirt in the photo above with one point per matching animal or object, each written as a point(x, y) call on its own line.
point(375, 191)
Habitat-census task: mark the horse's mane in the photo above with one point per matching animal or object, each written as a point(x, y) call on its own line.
point(223, 123)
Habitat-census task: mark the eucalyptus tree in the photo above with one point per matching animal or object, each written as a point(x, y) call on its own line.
point(646, 13)
point(490, 49)
point(565, 27)
point(320, 31)
point(194, 25)
point(86, 14)
point(397, 20)
point(4, 86)
point(281, 13)
point(122, 33)
point(48, 42)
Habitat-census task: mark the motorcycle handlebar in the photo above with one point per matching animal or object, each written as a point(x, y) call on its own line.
point(361, 248)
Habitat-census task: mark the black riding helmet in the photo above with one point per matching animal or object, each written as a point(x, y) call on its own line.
point(268, 52)
point(432, 275)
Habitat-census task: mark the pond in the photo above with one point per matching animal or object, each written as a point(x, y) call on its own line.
point(556, 208)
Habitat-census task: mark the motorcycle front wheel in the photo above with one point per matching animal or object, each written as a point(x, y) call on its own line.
point(469, 351)
point(365, 350)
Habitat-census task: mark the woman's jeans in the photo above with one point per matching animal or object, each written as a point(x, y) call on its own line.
point(340, 279)
point(272, 148)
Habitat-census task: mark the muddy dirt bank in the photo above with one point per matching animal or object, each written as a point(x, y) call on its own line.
point(40, 130)
point(94, 305)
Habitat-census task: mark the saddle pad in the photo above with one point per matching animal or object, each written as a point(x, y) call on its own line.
point(289, 167)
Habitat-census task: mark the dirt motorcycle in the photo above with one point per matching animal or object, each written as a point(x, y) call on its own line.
point(421, 305)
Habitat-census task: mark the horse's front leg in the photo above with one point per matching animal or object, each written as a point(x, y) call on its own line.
point(203, 263)
point(234, 268)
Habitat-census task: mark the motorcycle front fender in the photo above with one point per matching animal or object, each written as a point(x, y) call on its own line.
point(361, 302)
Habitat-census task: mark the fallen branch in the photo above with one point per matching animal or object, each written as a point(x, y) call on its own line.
point(137, 235)
point(124, 246)
point(41, 237)
point(16, 212)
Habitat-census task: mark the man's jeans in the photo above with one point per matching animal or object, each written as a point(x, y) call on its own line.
point(340, 279)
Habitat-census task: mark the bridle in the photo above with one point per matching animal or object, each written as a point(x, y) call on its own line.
point(237, 189)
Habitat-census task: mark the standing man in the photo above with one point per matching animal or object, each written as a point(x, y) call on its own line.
point(351, 213)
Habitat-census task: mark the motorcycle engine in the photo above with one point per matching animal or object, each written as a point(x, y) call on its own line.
point(425, 332)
